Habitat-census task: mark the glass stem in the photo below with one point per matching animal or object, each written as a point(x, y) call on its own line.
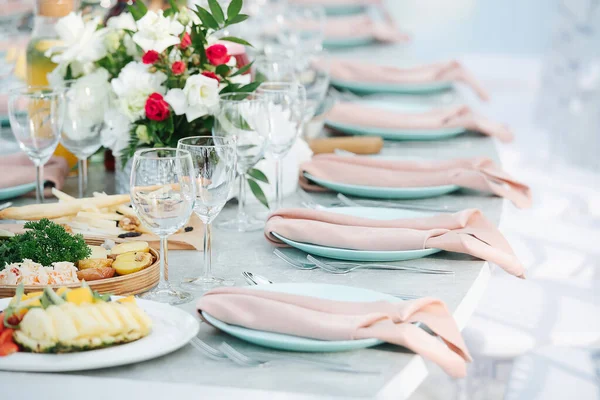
point(164, 261)
point(242, 199)
point(207, 251)
point(278, 184)
point(39, 188)
point(82, 176)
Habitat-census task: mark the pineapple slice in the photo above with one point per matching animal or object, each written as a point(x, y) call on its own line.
point(108, 312)
point(130, 324)
point(141, 317)
point(128, 263)
point(130, 247)
point(63, 324)
point(86, 325)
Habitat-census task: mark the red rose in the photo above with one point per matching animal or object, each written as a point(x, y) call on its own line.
point(157, 109)
point(150, 57)
point(186, 41)
point(178, 67)
point(211, 75)
point(217, 54)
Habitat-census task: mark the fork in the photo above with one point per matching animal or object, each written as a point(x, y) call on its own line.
point(344, 268)
point(381, 203)
point(247, 361)
point(207, 349)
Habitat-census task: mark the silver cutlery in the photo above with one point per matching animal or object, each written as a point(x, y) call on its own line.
point(344, 268)
point(247, 361)
point(5, 205)
point(254, 279)
point(382, 203)
point(265, 281)
point(207, 350)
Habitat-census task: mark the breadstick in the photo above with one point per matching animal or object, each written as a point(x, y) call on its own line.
point(57, 210)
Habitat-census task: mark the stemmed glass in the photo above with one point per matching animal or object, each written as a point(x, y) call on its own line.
point(286, 104)
point(278, 68)
point(214, 159)
point(36, 116)
point(86, 104)
point(244, 117)
point(162, 190)
point(302, 27)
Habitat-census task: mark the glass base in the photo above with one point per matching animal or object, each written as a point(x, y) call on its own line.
point(167, 295)
point(247, 224)
point(205, 283)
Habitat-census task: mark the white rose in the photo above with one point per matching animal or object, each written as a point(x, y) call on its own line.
point(133, 86)
point(82, 41)
point(123, 21)
point(199, 97)
point(157, 32)
point(88, 98)
point(116, 132)
point(130, 47)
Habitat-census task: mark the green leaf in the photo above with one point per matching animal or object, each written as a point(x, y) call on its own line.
point(142, 7)
point(137, 10)
point(216, 11)
point(258, 175)
point(251, 87)
point(222, 70)
point(237, 19)
point(242, 70)
point(173, 4)
point(258, 192)
point(207, 19)
point(169, 12)
point(236, 40)
point(234, 9)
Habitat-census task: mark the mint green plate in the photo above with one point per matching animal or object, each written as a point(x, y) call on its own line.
point(391, 88)
point(344, 9)
point(16, 191)
point(396, 134)
point(342, 43)
point(295, 343)
point(364, 255)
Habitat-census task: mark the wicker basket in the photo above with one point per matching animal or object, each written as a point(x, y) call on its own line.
point(124, 285)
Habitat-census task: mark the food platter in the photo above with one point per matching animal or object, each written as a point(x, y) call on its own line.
point(123, 285)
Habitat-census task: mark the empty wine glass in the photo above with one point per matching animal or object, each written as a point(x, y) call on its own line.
point(162, 190)
point(286, 102)
point(274, 68)
point(244, 117)
point(214, 159)
point(36, 116)
point(86, 103)
point(302, 27)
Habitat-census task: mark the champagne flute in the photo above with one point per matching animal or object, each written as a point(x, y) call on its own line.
point(244, 117)
point(214, 160)
point(162, 190)
point(36, 116)
point(286, 102)
point(86, 103)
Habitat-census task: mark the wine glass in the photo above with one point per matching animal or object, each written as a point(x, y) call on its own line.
point(244, 117)
point(162, 190)
point(286, 102)
point(214, 159)
point(302, 27)
point(277, 68)
point(86, 103)
point(36, 116)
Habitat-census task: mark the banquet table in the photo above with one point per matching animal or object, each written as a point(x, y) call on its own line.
point(187, 372)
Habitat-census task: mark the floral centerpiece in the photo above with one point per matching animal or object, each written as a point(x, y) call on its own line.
point(163, 72)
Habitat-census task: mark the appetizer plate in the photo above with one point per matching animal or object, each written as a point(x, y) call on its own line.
point(392, 88)
point(364, 255)
point(172, 328)
point(342, 43)
point(296, 343)
point(396, 134)
point(16, 191)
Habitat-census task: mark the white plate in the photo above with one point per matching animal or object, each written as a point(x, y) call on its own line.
point(172, 328)
point(296, 343)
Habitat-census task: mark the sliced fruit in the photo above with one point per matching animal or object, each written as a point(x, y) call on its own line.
point(51, 297)
point(6, 335)
point(80, 295)
point(62, 290)
point(8, 348)
point(94, 263)
point(128, 247)
point(128, 299)
point(98, 252)
point(128, 263)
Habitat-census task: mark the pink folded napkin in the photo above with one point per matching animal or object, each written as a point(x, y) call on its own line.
point(363, 25)
point(474, 173)
point(339, 320)
point(22, 171)
point(439, 72)
point(448, 117)
point(467, 231)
